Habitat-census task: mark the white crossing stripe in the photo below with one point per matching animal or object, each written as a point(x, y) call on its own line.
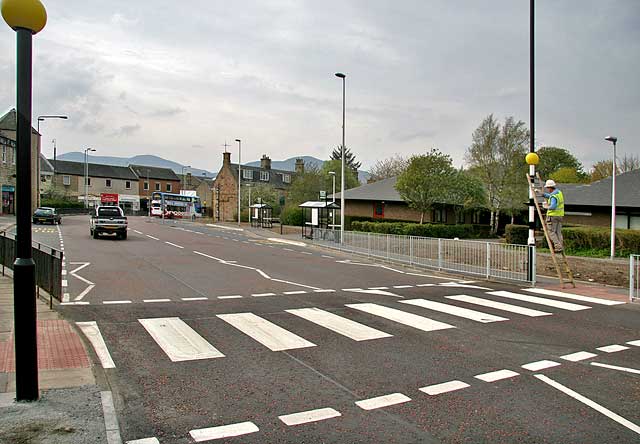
point(496, 376)
point(540, 365)
point(612, 348)
point(382, 401)
point(92, 332)
point(499, 305)
point(401, 317)
point(309, 416)
point(151, 237)
point(294, 292)
point(444, 387)
point(179, 341)
point(615, 367)
point(578, 356)
point(477, 316)
point(226, 431)
point(378, 292)
point(144, 441)
point(634, 343)
point(267, 333)
point(542, 301)
point(343, 326)
point(258, 295)
point(576, 297)
point(173, 245)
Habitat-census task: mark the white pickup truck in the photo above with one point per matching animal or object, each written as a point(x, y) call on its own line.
point(108, 220)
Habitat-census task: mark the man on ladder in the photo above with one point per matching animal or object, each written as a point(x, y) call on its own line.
point(555, 214)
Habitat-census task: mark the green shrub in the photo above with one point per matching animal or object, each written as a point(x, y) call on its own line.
point(61, 203)
point(517, 234)
point(598, 238)
point(423, 230)
point(291, 216)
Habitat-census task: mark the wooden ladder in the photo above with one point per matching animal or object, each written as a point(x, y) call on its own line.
point(565, 263)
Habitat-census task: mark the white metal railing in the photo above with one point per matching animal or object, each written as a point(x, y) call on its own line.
point(634, 278)
point(490, 260)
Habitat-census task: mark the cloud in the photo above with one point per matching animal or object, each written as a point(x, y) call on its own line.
point(167, 112)
point(126, 131)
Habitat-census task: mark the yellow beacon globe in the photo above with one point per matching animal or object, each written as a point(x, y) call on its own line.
point(27, 14)
point(532, 159)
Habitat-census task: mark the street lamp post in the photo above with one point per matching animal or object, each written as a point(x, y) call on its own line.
point(26, 17)
point(86, 177)
point(533, 158)
point(613, 140)
point(239, 175)
point(43, 118)
point(343, 77)
point(333, 195)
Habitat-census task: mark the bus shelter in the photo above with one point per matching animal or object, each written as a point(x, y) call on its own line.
point(261, 215)
point(319, 214)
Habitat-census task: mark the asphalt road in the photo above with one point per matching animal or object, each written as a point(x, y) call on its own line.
point(211, 332)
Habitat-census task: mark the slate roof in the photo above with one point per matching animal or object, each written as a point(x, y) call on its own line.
point(155, 172)
point(45, 166)
point(275, 176)
point(95, 170)
point(8, 121)
point(382, 190)
point(598, 194)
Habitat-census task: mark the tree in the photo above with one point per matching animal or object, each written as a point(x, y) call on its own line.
point(601, 170)
point(496, 157)
point(265, 192)
point(467, 192)
point(427, 181)
point(390, 167)
point(350, 176)
point(569, 175)
point(629, 162)
point(349, 158)
point(552, 159)
point(307, 186)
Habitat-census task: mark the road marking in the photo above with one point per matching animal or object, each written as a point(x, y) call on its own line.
point(634, 343)
point(285, 241)
point(200, 298)
point(82, 265)
point(86, 281)
point(64, 272)
point(612, 348)
point(326, 290)
point(382, 401)
point(288, 249)
point(110, 419)
point(173, 245)
point(85, 292)
point(295, 292)
point(136, 231)
point(327, 257)
point(65, 283)
point(220, 432)
point(293, 283)
point(540, 365)
point(262, 273)
point(309, 416)
point(578, 356)
point(144, 441)
point(445, 387)
point(576, 297)
point(403, 286)
point(179, 341)
point(154, 238)
point(92, 332)
point(65, 297)
point(234, 296)
point(499, 305)
point(401, 317)
point(615, 367)
point(75, 303)
point(462, 285)
point(477, 316)
point(224, 227)
point(265, 332)
point(304, 252)
point(115, 302)
point(259, 295)
point(542, 301)
point(378, 288)
point(379, 292)
point(235, 240)
point(426, 285)
point(496, 376)
point(156, 300)
point(338, 324)
point(210, 257)
point(597, 407)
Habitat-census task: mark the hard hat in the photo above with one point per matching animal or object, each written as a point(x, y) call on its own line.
point(550, 184)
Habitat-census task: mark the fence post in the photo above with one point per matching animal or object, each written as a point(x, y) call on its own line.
point(488, 260)
point(388, 246)
point(534, 267)
point(4, 241)
point(439, 253)
point(368, 244)
point(410, 250)
point(632, 285)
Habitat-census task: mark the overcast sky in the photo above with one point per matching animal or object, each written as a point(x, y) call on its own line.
point(179, 78)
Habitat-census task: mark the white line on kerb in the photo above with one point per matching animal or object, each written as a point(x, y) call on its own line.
point(615, 367)
point(151, 237)
point(594, 405)
point(110, 419)
point(173, 245)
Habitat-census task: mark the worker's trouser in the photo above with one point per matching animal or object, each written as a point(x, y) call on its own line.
point(554, 227)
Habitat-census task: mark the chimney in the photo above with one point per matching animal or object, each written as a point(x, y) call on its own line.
point(299, 166)
point(265, 162)
point(226, 159)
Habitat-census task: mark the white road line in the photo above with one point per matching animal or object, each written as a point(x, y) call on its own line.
point(294, 292)
point(144, 441)
point(401, 317)
point(263, 274)
point(156, 300)
point(173, 245)
point(66, 297)
point(179, 341)
point(304, 252)
point(327, 257)
point(82, 265)
point(234, 296)
point(136, 231)
point(86, 281)
point(378, 288)
point(288, 249)
point(110, 419)
point(378, 292)
point(403, 286)
point(452, 310)
point(576, 297)
point(84, 292)
point(540, 365)
point(92, 332)
point(338, 324)
point(615, 367)
point(115, 302)
point(151, 237)
point(612, 348)
point(210, 257)
point(294, 283)
point(265, 332)
point(65, 283)
point(259, 295)
point(542, 301)
point(225, 227)
point(200, 298)
point(426, 285)
point(463, 285)
point(285, 241)
point(382, 401)
point(75, 303)
point(499, 305)
point(496, 376)
point(325, 290)
point(64, 272)
point(634, 343)
point(220, 432)
point(309, 416)
point(578, 356)
point(594, 405)
point(445, 387)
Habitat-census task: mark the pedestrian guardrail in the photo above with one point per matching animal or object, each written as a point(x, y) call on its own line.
point(634, 278)
point(48, 262)
point(490, 260)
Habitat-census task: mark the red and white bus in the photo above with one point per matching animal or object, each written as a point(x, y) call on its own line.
point(176, 206)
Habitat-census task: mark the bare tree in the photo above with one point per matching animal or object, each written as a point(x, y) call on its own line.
point(389, 167)
point(629, 162)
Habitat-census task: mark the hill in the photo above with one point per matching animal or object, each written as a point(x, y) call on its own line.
point(290, 165)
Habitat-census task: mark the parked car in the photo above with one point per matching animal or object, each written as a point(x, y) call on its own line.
point(108, 220)
point(46, 215)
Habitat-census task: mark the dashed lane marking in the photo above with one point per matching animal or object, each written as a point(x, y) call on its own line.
point(116, 302)
point(615, 367)
point(259, 295)
point(151, 237)
point(497, 375)
point(156, 300)
point(226, 431)
point(136, 231)
point(309, 416)
point(445, 387)
point(578, 356)
point(612, 348)
point(173, 245)
point(540, 365)
point(294, 292)
point(382, 401)
point(234, 296)
point(200, 298)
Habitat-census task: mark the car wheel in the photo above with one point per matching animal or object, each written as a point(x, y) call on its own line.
point(95, 234)
point(123, 236)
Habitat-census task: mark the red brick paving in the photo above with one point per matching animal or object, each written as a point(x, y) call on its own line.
point(595, 290)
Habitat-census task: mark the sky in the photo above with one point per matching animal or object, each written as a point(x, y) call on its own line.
point(179, 79)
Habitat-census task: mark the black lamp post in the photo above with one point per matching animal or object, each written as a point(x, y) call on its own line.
point(26, 17)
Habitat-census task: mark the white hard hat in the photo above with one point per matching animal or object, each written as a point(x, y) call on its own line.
point(550, 184)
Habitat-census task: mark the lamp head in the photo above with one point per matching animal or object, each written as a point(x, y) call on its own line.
point(332, 173)
point(25, 14)
point(341, 75)
point(611, 139)
point(238, 140)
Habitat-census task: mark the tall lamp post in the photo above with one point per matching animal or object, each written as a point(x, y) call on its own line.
point(343, 77)
point(26, 17)
point(333, 176)
point(532, 158)
point(43, 118)
point(613, 140)
point(239, 175)
point(86, 177)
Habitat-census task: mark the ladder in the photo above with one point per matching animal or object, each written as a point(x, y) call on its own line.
point(565, 264)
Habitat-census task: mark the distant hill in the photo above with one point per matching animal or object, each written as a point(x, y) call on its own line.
point(290, 165)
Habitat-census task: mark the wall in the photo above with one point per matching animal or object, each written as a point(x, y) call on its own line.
point(227, 198)
point(175, 186)
point(397, 211)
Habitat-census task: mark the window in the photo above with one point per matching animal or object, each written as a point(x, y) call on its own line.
point(247, 174)
point(145, 186)
point(127, 184)
point(286, 178)
point(88, 181)
point(4, 154)
point(157, 186)
point(66, 180)
point(460, 217)
point(107, 183)
point(264, 176)
point(440, 215)
point(168, 188)
point(378, 210)
point(475, 219)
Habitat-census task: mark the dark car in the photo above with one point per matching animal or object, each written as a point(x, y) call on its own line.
point(46, 215)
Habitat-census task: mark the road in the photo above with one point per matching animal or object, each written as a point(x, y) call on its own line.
point(207, 333)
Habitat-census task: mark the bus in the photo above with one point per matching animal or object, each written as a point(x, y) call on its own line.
point(176, 206)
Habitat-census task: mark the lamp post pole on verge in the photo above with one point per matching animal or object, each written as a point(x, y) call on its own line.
point(532, 158)
point(614, 172)
point(239, 176)
point(343, 77)
point(86, 177)
point(26, 17)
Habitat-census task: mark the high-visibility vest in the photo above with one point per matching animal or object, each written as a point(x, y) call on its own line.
point(559, 211)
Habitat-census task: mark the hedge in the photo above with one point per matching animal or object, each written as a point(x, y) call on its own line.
point(291, 216)
point(516, 234)
point(61, 203)
point(597, 238)
point(423, 230)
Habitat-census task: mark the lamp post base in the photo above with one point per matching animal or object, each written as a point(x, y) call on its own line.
point(25, 334)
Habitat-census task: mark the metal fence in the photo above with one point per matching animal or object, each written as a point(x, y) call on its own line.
point(490, 260)
point(634, 278)
point(48, 264)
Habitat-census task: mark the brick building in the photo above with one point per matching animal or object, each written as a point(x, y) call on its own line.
point(155, 179)
point(203, 186)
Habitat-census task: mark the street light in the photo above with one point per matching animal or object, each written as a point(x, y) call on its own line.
point(532, 156)
point(239, 176)
point(26, 18)
point(343, 77)
point(86, 177)
point(43, 118)
point(613, 140)
point(333, 176)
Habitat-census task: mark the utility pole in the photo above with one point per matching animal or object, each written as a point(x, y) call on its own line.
point(532, 157)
